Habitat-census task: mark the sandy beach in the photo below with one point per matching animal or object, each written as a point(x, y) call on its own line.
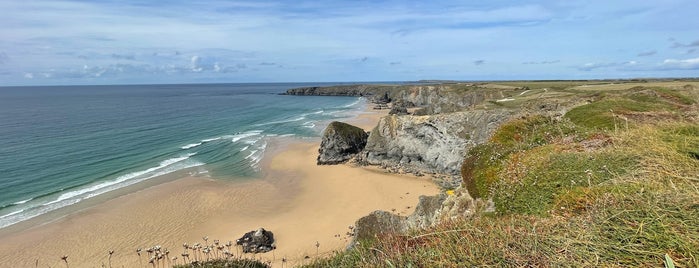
point(302, 203)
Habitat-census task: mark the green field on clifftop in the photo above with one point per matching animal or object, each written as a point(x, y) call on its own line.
point(613, 182)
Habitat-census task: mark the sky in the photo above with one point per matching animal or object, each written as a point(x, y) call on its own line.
point(60, 42)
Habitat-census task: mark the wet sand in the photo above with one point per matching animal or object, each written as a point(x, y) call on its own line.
point(302, 203)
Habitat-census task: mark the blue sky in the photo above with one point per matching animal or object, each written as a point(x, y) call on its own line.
point(56, 42)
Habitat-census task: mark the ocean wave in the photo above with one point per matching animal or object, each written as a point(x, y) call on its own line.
point(75, 196)
point(255, 149)
point(246, 134)
point(294, 119)
point(119, 179)
point(11, 213)
point(211, 139)
point(22, 202)
point(191, 145)
point(309, 124)
point(358, 101)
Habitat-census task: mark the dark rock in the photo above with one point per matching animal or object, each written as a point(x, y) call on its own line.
point(398, 110)
point(259, 241)
point(340, 142)
point(382, 99)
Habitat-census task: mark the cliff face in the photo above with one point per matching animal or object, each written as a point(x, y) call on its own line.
point(443, 98)
point(432, 144)
point(433, 99)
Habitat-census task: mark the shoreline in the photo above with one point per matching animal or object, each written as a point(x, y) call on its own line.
point(300, 202)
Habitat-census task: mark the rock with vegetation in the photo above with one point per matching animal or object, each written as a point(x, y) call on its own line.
point(340, 142)
point(378, 222)
point(432, 144)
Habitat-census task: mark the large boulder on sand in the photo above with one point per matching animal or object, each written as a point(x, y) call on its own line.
point(340, 142)
point(259, 241)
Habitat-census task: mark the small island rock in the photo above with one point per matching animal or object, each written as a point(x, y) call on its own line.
point(340, 142)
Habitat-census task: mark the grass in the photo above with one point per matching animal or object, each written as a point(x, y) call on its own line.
point(579, 191)
point(219, 263)
point(627, 108)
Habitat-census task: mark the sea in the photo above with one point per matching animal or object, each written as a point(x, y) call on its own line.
point(61, 145)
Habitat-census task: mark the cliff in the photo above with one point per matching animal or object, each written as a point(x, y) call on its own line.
point(432, 99)
point(542, 166)
point(348, 90)
point(430, 144)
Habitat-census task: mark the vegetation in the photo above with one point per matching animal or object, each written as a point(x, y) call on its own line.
point(611, 183)
point(219, 263)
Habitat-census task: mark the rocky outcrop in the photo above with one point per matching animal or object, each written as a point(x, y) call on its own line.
point(340, 142)
point(459, 204)
point(432, 144)
point(384, 222)
point(426, 212)
point(378, 222)
point(259, 241)
point(398, 109)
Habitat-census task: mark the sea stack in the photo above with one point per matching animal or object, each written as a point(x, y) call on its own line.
point(340, 142)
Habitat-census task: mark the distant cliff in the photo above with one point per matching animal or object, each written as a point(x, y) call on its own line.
point(348, 90)
point(431, 99)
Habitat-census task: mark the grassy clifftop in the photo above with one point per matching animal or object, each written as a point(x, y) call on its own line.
point(612, 182)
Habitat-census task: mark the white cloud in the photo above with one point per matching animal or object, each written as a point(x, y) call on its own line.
point(687, 64)
point(597, 65)
point(196, 64)
point(29, 75)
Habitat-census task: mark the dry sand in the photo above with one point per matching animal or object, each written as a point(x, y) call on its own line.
point(302, 203)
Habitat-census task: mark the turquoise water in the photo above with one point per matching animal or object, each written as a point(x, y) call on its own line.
point(62, 145)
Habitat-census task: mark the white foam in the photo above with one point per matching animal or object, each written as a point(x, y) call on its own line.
point(12, 213)
point(244, 135)
point(252, 141)
point(22, 202)
point(212, 139)
point(119, 179)
point(359, 100)
point(309, 124)
point(252, 152)
point(75, 196)
point(191, 145)
point(298, 118)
